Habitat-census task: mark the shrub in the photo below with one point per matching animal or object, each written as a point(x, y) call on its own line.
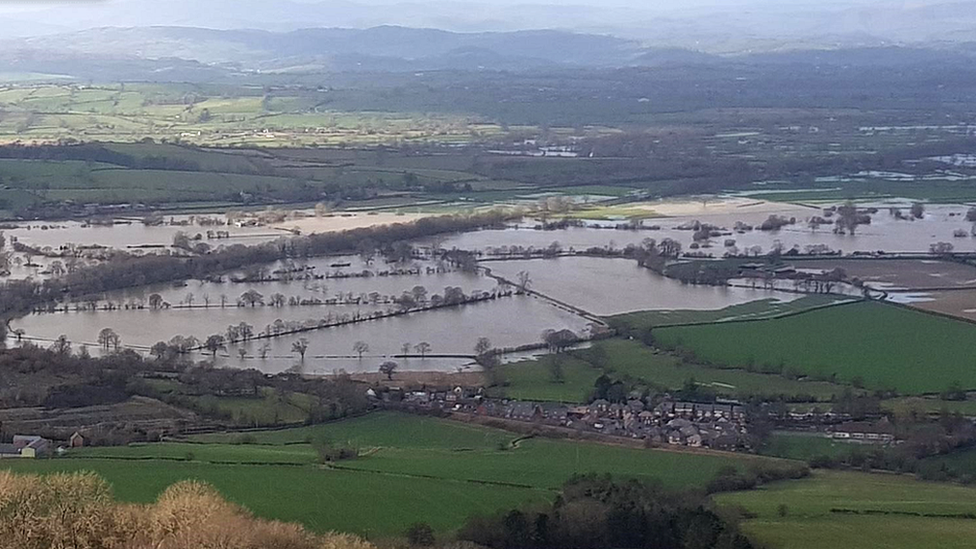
point(76, 510)
point(421, 534)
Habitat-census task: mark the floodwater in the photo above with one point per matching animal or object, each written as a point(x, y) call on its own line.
point(613, 286)
point(56, 234)
point(885, 233)
point(324, 289)
point(599, 286)
point(507, 322)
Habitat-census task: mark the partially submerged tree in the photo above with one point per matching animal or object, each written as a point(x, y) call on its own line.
point(108, 339)
point(300, 347)
point(215, 343)
point(360, 348)
point(423, 348)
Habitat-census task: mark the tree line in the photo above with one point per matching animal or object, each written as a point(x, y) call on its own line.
point(132, 271)
point(597, 512)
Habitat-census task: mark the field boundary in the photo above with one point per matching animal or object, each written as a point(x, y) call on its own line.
point(779, 316)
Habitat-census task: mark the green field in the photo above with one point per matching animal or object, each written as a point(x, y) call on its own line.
point(810, 524)
point(230, 116)
point(633, 362)
point(960, 463)
point(871, 190)
point(918, 405)
point(271, 408)
point(884, 345)
point(805, 447)
point(375, 505)
point(412, 469)
point(753, 310)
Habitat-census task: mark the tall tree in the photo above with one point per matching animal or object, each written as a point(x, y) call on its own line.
point(215, 343)
point(388, 369)
point(423, 348)
point(300, 347)
point(360, 347)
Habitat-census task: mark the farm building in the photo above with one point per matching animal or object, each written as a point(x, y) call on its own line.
point(25, 447)
point(864, 431)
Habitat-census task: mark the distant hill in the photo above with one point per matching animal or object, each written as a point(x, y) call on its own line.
point(714, 26)
point(380, 48)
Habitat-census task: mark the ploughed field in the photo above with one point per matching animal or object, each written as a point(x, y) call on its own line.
point(901, 274)
point(411, 469)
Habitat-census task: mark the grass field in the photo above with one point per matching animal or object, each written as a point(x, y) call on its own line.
point(412, 469)
point(631, 361)
point(884, 345)
point(763, 308)
point(933, 191)
point(807, 446)
point(46, 112)
point(375, 505)
point(920, 405)
point(809, 523)
point(958, 463)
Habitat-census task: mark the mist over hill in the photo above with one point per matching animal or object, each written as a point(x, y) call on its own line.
point(716, 26)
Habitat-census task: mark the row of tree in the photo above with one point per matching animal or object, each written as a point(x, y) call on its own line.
point(132, 271)
point(594, 512)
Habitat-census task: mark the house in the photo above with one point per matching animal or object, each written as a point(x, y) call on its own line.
point(524, 411)
point(76, 441)
point(555, 412)
point(864, 431)
point(599, 406)
point(645, 417)
point(684, 409)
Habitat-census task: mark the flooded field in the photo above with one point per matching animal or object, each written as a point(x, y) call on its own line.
point(336, 290)
point(958, 303)
point(899, 274)
point(886, 233)
point(129, 234)
point(342, 282)
point(508, 322)
point(613, 286)
point(132, 233)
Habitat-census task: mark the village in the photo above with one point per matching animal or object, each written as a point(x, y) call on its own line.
point(720, 426)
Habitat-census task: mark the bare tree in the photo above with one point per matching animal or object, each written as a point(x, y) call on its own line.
point(388, 369)
point(482, 346)
point(423, 348)
point(61, 346)
point(359, 348)
point(107, 338)
point(524, 280)
point(300, 347)
point(251, 297)
point(215, 343)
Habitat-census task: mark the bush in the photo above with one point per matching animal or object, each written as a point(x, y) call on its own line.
point(421, 534)
point(76, 510)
